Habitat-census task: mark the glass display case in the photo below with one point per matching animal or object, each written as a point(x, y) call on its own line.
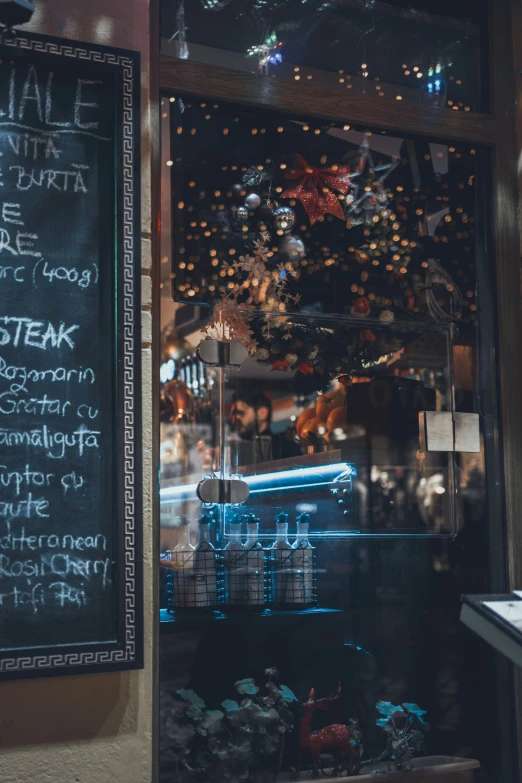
point(352, 454)
point(327, 459)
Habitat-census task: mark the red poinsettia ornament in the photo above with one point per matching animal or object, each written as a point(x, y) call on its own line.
point(361, 307)
point(312, 188)
point(367, 336)
point(305, 368)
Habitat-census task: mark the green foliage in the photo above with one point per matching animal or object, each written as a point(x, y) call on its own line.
point(224, 744)
point(404, 726)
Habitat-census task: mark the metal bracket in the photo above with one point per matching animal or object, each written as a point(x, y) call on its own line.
point(222, 353)
point(214, 490)
point(443, 431)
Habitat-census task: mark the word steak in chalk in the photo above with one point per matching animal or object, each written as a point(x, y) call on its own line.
point(39, 334)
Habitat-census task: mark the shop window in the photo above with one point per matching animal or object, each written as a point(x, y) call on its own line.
point(323, 482)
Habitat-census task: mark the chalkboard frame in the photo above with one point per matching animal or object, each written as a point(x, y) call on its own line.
point(126, 650)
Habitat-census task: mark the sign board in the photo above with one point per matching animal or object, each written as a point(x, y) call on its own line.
point(70, 579)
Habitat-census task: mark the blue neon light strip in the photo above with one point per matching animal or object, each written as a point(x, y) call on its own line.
point(339, 471)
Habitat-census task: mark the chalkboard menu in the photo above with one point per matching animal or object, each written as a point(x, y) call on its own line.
point(69, 358)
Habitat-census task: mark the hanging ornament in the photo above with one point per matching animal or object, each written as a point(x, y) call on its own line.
point(387, 317)
point(361, 307)
point(238, 191)
point(254, 177)
point(180, 34)
point(293, 247)
point(252, 201)
point(367, 195)
point(268, 53)
point(266, 210)
point(284, 218)
point(367, 336)
point(242, 213)
point(436, 275)
point(313, 188)
point(435, 88)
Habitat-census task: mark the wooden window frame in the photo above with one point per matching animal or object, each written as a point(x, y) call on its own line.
point(497, 132)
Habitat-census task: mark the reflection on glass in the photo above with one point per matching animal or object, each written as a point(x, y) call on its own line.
point(362, 319)
point(380, 49)
point(354, 452)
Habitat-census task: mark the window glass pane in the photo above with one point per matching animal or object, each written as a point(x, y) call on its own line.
point(387, 50)
point(345, 266)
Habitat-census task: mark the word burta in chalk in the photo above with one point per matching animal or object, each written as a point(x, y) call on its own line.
point(39, 334)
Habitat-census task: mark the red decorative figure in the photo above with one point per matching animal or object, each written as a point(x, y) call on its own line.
point(342, 742)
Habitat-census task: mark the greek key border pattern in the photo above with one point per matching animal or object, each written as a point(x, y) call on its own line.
point(128, 653)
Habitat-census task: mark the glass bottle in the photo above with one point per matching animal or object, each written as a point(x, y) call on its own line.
point(281, 560)
point(235, 567)
point(255, 565)
point(167, 588)
point(303, 565)
point(205, 581)
point(183, 559)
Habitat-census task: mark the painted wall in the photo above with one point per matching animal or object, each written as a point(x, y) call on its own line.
point(94, 728)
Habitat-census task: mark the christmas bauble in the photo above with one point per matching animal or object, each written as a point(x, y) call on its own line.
point(242, 213)
point(284, 218)
point(293, 247)
point(387, 316)
point(266, 209)
point(252, 201)
point(238, 191)
point(361, 306)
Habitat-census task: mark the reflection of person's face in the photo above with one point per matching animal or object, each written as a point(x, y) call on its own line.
point(243, 419)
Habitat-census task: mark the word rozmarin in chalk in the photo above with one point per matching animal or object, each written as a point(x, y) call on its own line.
point(21, 375)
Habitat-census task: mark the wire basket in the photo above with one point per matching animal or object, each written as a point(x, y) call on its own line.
point(195, 579)
point(246, 578)
point(293, 578)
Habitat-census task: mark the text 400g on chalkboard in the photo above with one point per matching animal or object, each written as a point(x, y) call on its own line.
point(69, 348)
